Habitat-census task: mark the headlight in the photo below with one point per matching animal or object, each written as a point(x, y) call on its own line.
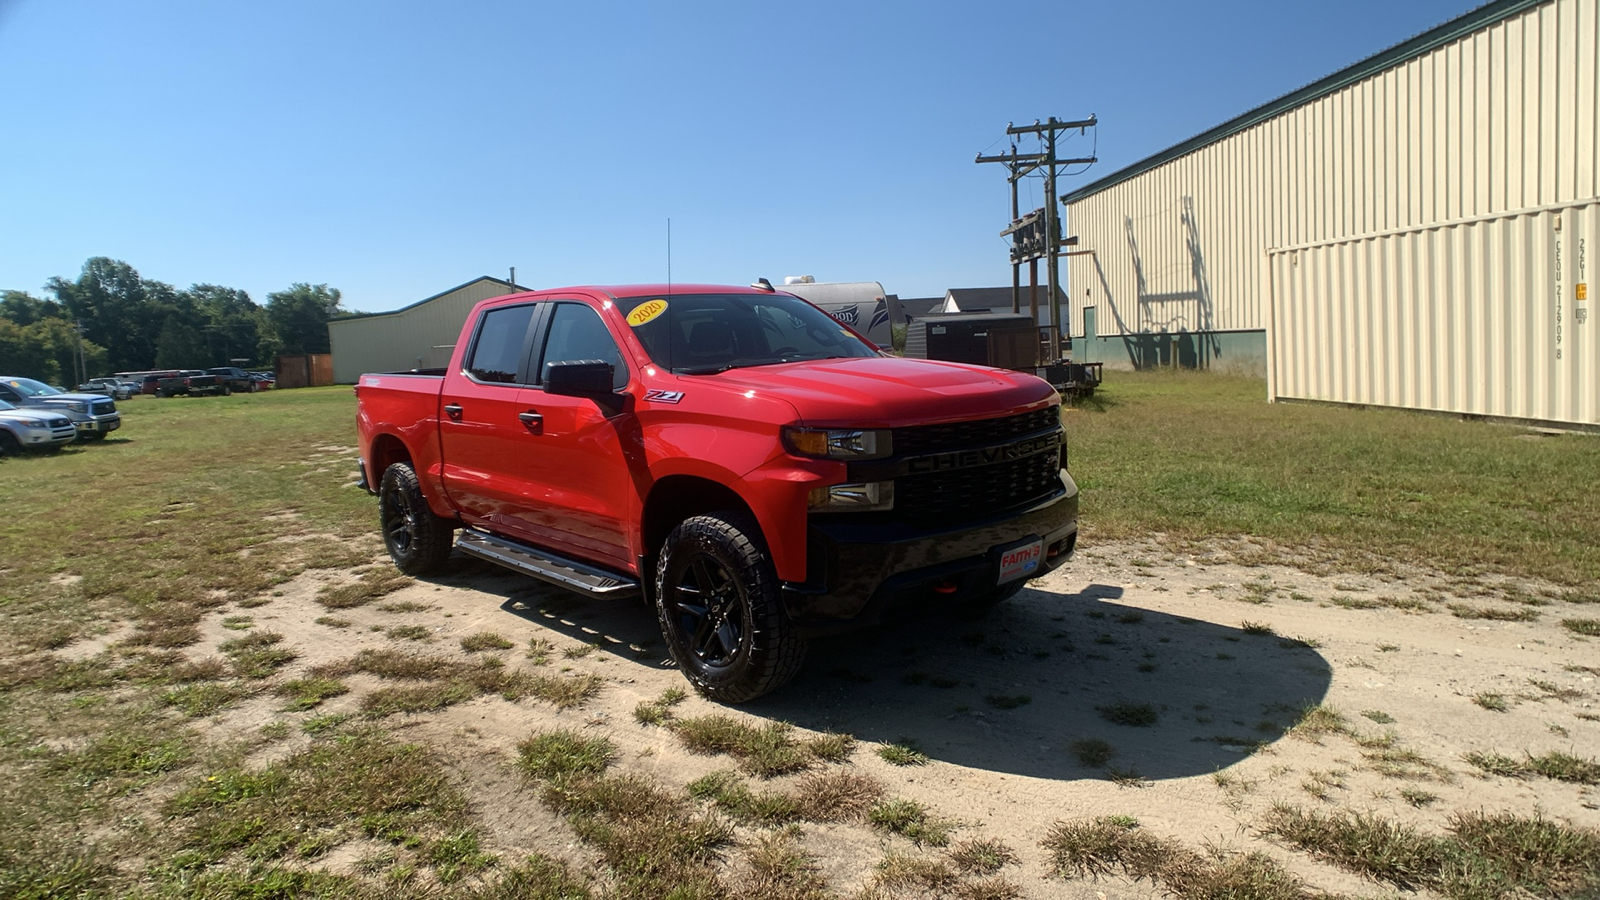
point(32, 423)
point(76, 406)
point(869, 496)
point(845, 443)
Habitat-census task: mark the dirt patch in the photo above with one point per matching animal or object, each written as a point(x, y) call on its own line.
point(1187, 690)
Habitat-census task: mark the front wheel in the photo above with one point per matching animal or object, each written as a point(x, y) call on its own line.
point(717, 601)
point(418, 541)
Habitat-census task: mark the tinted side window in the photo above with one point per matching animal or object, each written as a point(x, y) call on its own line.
point(498, 346)
point(576, 332)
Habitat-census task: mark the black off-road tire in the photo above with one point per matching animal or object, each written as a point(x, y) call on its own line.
point(418, 541)
point(718, 605)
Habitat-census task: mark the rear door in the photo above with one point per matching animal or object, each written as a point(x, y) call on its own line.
point(483, 437)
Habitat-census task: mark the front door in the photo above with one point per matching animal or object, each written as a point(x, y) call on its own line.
point(1090, 333)
point(578, 463)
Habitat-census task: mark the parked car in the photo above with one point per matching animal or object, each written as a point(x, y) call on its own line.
point(116, 390)
point(94, 415)
point(263, 381)
point(33, 429)
point(235, 378)
point(192, 382)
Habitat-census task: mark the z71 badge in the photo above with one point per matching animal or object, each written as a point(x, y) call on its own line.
point(664, 396)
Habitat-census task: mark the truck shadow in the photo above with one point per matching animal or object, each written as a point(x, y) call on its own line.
point(1049, 685)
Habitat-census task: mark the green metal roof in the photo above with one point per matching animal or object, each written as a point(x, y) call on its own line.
point(1429, 40)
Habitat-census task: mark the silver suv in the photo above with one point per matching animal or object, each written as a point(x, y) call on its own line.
point(33, 429)
point(95, 415)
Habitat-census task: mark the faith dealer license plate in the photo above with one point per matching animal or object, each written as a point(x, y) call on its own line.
point(1017, 562)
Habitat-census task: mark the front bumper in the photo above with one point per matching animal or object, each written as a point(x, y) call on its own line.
point(44, 437)
point(862, 570)
point(99, 424)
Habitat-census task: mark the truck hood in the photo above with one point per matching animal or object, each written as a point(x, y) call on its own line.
point(75, 397)
point(34, 412)
point(886, 392)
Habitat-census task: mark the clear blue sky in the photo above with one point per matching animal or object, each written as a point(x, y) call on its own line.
point(393, 150)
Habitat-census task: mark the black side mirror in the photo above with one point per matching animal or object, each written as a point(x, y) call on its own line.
point(590, 378)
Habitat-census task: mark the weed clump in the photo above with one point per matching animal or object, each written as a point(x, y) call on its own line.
point(1133, 715)
point(903, 752)
point(911, 819)
point(1116, 843)
point(1482, 855)
point(766, 751)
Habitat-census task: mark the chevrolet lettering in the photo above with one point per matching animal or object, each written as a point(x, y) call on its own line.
point(983, 456)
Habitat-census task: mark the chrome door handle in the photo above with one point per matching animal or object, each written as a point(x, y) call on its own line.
point(453, 410)
point(533, 420)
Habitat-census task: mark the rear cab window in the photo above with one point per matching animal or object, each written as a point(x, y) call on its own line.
point(498, 344)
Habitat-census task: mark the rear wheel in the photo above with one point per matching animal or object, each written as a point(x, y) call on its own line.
point(717, 601)
point(418, 541)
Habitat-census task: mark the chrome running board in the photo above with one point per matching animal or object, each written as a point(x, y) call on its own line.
point(546, 566)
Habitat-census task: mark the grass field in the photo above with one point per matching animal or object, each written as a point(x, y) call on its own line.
point(198, 509)
point(1198, 456)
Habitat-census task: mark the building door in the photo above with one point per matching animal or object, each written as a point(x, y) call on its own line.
point(1090, 333)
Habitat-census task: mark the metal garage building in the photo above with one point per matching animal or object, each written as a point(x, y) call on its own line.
point(1411, 231)
point(419, 336)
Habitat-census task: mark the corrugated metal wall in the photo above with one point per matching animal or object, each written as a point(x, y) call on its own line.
point(1480, 316)
point(1501, 121)
point(420, 336)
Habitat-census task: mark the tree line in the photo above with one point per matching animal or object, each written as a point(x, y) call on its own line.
point(121, 322)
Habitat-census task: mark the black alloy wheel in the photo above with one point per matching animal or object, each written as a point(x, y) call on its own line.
point(417, 540)
point(711, 612)
point(718, 606)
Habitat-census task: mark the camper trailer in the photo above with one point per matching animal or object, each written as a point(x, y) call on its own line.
point(863, 305)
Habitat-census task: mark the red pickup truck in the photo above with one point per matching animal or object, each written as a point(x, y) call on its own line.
point(757, 471)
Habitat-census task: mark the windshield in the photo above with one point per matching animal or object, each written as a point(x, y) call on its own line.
point(701, 334)
point(27, 387)
point(5, 406)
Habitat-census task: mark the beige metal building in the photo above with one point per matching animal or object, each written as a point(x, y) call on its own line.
point(1411, 231)
point(419, 336)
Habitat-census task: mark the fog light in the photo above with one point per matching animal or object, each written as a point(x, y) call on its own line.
point(863, 497)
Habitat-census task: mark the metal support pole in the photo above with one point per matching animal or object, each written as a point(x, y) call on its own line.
point(1051, 246)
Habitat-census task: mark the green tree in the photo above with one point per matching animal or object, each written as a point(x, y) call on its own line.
point(23, 308)
point(46, 349)
point(233, 324)
point(300, 315)
point(118, 309)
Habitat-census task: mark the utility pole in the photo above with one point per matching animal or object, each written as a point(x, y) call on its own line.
point(1028, 242)
point(80, 365)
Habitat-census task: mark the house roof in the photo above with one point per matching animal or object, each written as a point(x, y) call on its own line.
point(969, 299)
point(510, 289)
point(1427, 41)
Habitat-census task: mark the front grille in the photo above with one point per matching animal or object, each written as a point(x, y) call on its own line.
point(923, 439)
point(102, 407)
point(968, 494)
point(975, 492)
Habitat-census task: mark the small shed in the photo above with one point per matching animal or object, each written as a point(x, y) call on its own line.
point(1004, 340)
